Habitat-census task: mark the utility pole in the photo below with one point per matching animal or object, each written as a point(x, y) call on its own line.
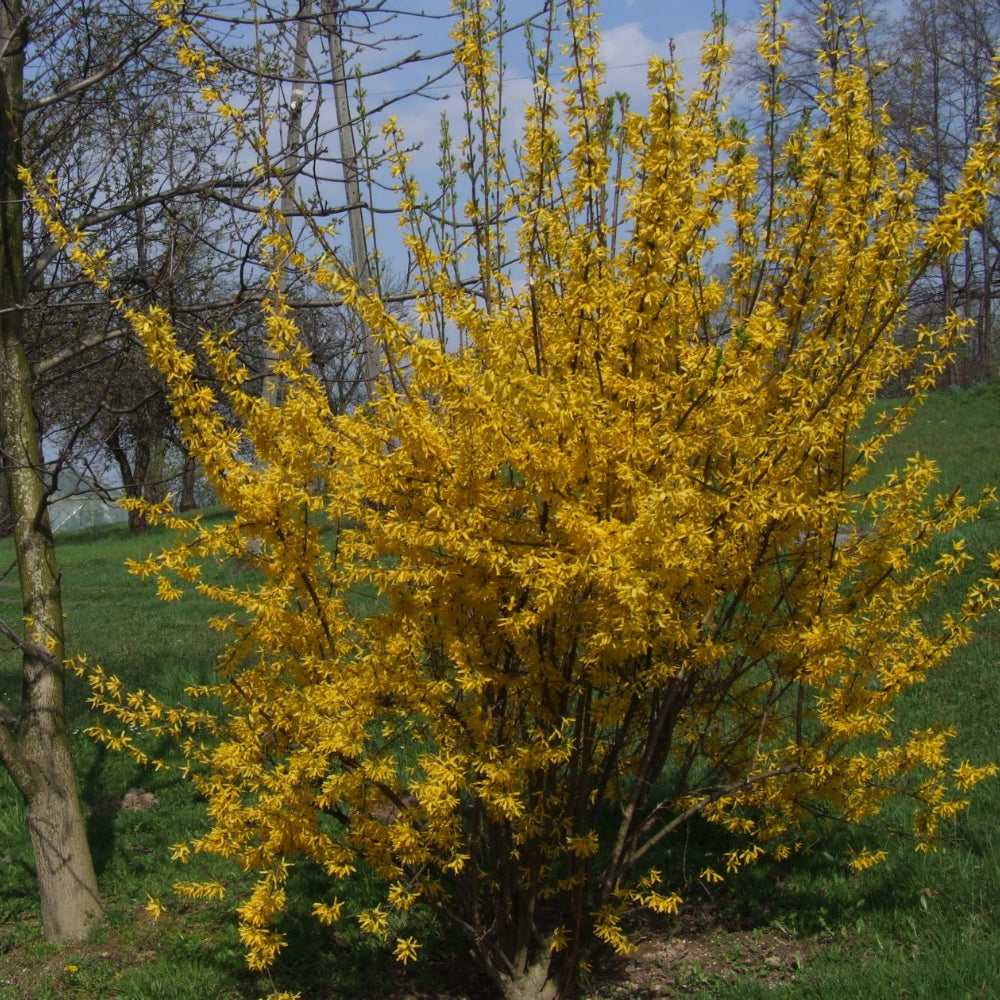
point(352, 185)
point(290, 169)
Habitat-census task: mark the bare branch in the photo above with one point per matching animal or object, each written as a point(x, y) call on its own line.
point(87, 82)
point(46, 365)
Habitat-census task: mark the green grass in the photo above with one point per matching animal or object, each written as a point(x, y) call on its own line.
point(194, 952)
point(919, 926)
point(118, 622)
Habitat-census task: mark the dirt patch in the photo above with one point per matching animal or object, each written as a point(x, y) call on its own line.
point(674, 964)
point(673, 959)
point(134, 800)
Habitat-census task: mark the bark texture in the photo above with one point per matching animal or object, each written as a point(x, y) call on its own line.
point(34, 748)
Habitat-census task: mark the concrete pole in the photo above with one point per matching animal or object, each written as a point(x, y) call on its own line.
point(352, 185)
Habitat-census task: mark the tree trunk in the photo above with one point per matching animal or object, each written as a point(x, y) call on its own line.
point(6, 517)
point(533, 983)
point(67, 884)
point(35, 751)
point(133, 478)
point(187, 484)
point(525, 968)
point(155, 487)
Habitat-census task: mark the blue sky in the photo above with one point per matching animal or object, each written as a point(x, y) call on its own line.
point(632, 32)
point(664, 18)
point(635, 30)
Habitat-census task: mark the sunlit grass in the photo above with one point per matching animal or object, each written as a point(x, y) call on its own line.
point(920, 925)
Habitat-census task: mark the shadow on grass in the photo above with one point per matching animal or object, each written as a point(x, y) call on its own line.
point(341, 962)
point(108, 778)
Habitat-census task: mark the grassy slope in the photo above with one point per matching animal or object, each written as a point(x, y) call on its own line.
point(921, 925)
point(918, 926)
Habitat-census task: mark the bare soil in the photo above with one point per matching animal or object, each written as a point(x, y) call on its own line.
point(673, 965)
point(672, 960)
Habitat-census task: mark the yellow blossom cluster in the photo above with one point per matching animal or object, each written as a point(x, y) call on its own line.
point(613, 564)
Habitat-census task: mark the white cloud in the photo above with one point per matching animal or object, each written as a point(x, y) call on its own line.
point(626, 50)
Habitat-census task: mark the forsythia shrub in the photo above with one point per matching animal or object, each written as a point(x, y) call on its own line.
point(628, 568)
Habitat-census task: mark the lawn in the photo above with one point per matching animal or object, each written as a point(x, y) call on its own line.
point(920, 925)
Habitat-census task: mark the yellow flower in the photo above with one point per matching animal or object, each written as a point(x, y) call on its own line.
point(405, 950)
